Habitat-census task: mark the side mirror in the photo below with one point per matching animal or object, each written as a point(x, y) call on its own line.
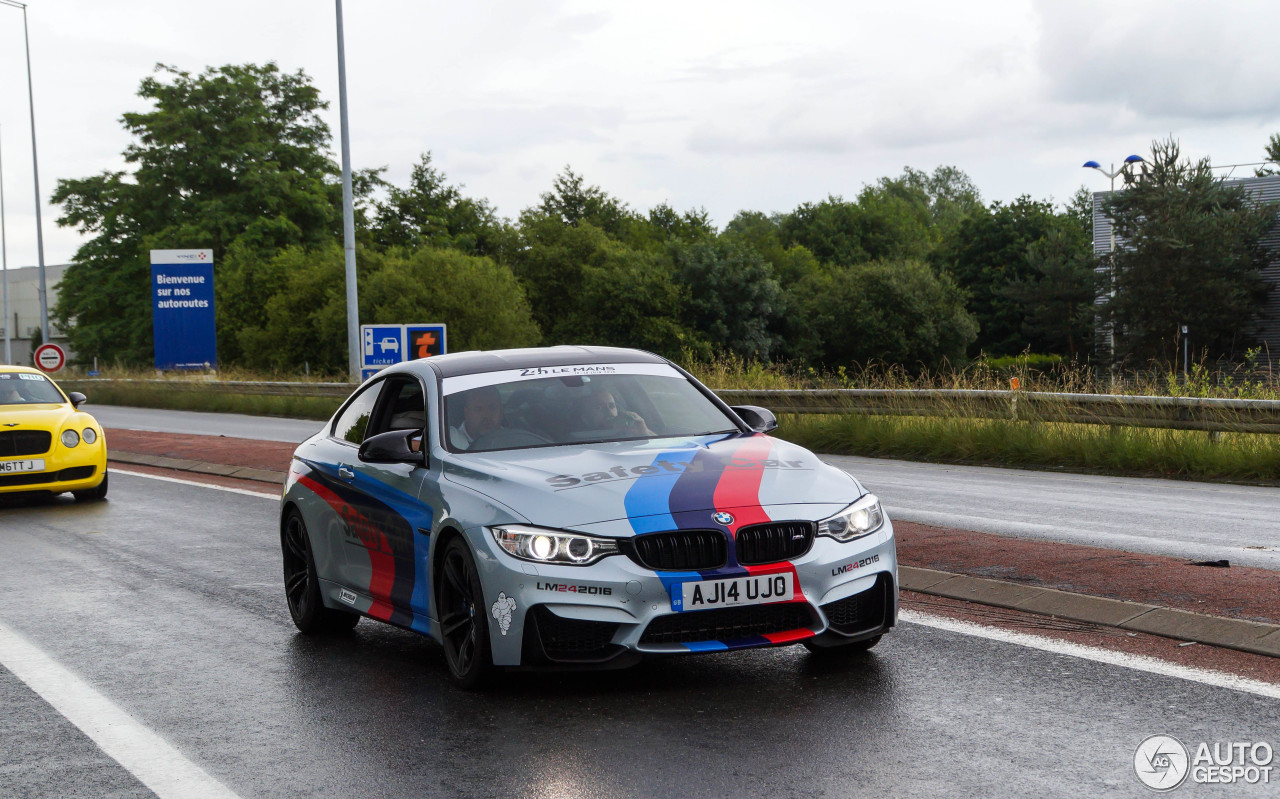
point(392, 447)
point(77, 399)
point(758, 419)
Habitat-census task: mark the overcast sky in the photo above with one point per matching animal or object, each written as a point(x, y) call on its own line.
point(723, 105)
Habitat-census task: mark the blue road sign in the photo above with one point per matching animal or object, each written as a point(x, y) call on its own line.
point(182, 313)
point(424, 340)
point(381, 345)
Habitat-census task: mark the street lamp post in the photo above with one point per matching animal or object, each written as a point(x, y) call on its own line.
point(35, 176)
point(1111, 251)
point(4, 264)
point(348, 213)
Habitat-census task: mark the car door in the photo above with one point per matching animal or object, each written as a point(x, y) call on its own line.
point(388, 555)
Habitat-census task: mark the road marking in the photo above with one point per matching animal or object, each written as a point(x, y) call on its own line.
point(244, 491)
point(1109, 657)
point(143, 753)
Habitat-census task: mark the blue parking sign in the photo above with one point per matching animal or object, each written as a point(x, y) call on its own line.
point(381, 345)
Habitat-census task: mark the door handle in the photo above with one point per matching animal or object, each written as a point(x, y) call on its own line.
point(346, 472)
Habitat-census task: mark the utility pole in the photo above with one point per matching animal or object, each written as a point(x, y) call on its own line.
point(4, 264)
point(348, 214)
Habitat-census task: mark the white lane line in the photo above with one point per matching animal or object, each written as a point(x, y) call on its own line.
point(1152, 665)
point(244, 491)
point(144, 754)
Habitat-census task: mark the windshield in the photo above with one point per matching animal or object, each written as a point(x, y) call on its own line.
point(618, 402)
point(23, 388)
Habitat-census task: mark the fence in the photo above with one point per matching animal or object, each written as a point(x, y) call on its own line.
point(1180, 413)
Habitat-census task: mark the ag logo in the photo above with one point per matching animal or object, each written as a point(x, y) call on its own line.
point(1161, 762)
point(722, 518)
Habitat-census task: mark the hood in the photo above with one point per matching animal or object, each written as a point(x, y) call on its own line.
point(662, 484)
point(37, 416)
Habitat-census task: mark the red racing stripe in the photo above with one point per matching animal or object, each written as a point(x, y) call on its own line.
point(738, 491)
point(383, 565)
point(788, 636)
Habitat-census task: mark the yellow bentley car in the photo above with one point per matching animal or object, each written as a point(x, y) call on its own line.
point(46, 442)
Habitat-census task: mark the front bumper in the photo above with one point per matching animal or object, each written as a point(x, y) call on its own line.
point(615, 611)
point(69, 472)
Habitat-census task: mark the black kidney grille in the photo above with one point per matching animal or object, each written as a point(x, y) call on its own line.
point(727, 623)
point(24, 442)
point(772, 542)
point(679, 550)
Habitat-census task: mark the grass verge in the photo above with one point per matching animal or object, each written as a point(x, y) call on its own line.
point(212, 399)
point(1235, 457)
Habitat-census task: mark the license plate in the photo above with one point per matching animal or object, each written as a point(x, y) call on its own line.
point(754, 590)
point(8, 467)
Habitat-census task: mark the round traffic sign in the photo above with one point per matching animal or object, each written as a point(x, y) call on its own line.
point(50, 358)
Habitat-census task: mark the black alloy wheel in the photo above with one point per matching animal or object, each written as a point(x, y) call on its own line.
point(302, 585)
point(464, 625)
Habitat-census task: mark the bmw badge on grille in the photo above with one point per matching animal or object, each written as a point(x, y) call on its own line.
point(723, 518)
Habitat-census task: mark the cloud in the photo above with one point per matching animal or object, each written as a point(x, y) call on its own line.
point(1169, 60)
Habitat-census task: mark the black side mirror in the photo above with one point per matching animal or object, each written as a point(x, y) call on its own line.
point(77, 399)
point(393, 447)
point(758, 419)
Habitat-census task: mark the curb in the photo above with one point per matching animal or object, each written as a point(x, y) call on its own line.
point(1246, 636)
point(184, 465)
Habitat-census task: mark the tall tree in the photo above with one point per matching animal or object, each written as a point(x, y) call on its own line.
point(987, 253)
point(1189, 253)
point(236, 153)
point(900, 312)
point(734, 299)
point(430, 212)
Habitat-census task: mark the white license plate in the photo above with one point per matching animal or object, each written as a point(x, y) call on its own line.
point(8, 467)
point(754, 590)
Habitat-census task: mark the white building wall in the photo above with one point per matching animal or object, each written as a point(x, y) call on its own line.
point(24, 309)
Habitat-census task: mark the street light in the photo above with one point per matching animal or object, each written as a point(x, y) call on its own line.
point(35, 175)
point(4, 264)
point(1126, 170)
point(348, 213)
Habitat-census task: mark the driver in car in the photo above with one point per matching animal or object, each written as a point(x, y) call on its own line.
point(600, 412)
point(481, 414)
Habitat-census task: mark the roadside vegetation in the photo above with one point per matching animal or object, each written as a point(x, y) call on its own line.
point(956, 434)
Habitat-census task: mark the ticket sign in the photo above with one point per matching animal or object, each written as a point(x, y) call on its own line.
point(384, 345)
point(182, 313)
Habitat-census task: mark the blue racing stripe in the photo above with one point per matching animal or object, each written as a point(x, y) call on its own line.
point(646, 500)
point(705, 646)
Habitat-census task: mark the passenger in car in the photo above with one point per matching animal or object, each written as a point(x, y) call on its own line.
point(600, 412)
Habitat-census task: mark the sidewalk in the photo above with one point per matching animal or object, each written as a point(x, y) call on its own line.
point(1234, 607)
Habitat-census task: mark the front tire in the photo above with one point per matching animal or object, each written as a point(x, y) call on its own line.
point(95, 494)
point(464, 626)
point(302, 583)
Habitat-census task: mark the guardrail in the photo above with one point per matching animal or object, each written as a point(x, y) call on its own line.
point(1178, 413)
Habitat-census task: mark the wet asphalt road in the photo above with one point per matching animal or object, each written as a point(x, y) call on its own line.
point(167, 600)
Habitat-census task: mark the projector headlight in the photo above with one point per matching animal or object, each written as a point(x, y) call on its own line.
point(861, 518)
point(70, 438)
point(553, 546)
point(90, 435)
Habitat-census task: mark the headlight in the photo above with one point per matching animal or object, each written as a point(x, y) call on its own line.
point(861, 518)
point(553, 546)
point(70, 438)
point(90, 435)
